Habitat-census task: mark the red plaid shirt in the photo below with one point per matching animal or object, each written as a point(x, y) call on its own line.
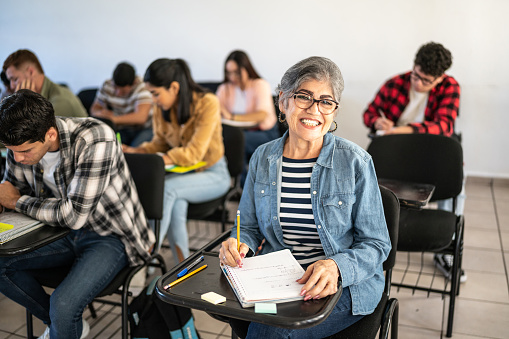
point(441, 110)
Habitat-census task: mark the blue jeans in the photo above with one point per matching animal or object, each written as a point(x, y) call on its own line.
point(95, 261)
point(135, 136)
point(182, 189)
point(340, 318)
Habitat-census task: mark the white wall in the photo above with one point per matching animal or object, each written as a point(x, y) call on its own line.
point(81, 42)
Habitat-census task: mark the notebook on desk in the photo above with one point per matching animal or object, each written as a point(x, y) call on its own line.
point(184, 169)
point(266, 278)
point(14, 224)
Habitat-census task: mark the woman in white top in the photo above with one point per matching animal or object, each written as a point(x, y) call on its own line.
point(246, 100)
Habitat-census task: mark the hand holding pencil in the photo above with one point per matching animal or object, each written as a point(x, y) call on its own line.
point(232, 250)
point(382, 123)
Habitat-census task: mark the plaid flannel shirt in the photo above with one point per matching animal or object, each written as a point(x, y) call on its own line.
point(95, 185)
point(441, 109)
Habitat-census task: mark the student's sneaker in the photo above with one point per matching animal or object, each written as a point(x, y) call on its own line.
point(45, 335)
point(84, 332)
point(86, 329)
point(444, 263)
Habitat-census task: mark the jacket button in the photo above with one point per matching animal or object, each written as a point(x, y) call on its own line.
point(273, 183)
point(314, 192)
point(340, 203)
point(263, 191)
point(319, 226)
point(275, 218)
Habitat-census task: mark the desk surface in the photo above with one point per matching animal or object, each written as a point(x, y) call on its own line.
point(409, 193)
point(294, 314)
point(32, 240)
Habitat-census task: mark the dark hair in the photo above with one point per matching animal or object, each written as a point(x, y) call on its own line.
point(20, 57)
point(242, 61)
point(124, 74)
point(162, 72)
point(5, 81)
point(25, 116)
point(433, 59)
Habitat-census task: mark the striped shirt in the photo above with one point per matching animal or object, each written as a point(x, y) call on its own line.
point(296, 213)
point(123, 105)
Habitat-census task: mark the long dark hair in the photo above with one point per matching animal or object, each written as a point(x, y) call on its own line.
point(242, 61)
point(162, 72)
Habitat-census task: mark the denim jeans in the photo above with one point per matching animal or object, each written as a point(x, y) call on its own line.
point(340, 318)
point(95, 262)
point(182, 189)
point(135, 136)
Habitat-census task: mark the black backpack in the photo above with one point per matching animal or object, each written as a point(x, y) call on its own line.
point(150, 317)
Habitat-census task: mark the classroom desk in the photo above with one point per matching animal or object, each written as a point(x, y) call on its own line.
point(294, 314)
point(32, 240)
point(409, 194)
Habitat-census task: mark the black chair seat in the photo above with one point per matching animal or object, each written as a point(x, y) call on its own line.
point(203, 210)
point(425, 230)
point(364, 328)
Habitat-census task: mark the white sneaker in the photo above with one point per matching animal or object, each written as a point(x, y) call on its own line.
point(85, 331)
point(45, 335)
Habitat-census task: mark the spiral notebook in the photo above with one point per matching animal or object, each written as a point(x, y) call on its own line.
point(14, 224)
point(266, 278)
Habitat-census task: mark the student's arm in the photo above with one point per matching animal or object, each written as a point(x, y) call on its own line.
point(138, 117)
point(207, 119)
point(98, 110)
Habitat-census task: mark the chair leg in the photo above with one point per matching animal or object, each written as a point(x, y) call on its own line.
point(455, 278)
point(30, 325)
point(91, 308)
point(394, 326)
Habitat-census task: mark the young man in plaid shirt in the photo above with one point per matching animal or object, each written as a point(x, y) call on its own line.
point(425, 100)
point(68, 172)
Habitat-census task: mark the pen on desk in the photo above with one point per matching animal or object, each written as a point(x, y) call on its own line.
point(238, 231)
point(188, 268)
point(170, 285)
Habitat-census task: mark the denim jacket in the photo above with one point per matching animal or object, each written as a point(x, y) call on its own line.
point(347, 208)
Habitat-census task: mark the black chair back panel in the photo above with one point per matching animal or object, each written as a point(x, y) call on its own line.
point(148, 186)
point(87, 97)
point(234, 149)
point(422, 158)
point(391, 211)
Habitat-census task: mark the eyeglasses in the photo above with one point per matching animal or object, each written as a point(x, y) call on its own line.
point(424, 81)
point(325, 106)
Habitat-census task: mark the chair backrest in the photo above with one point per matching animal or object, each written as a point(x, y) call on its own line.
point(147, 171)
point(421, 158)
point(210, 85)
point(391, 211)
point(87, 97)
point(234, 150)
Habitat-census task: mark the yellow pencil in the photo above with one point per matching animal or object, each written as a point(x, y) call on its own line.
point(238, 231)
point(170, 285)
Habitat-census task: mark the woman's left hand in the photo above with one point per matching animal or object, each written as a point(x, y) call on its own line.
point(320, 279)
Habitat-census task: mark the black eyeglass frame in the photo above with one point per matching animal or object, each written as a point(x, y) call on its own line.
point(313, 100)
point(426, 82)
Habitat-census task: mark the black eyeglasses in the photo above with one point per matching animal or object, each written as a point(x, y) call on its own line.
point(325, 106)
point(424, 81)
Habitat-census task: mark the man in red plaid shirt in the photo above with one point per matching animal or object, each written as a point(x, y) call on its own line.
point(425, 100)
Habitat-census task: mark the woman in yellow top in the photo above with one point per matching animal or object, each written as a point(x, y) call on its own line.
point(187, 130)
point(246, 100)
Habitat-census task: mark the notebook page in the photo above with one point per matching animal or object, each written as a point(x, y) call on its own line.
point(269, 277)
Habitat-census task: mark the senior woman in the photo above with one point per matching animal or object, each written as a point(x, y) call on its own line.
point(317, 195)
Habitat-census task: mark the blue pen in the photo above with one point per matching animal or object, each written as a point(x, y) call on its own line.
point(185, 270)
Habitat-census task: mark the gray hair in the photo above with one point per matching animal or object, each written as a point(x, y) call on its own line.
point(312, 68)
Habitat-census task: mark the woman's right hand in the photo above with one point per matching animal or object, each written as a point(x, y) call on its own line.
point(228, 254)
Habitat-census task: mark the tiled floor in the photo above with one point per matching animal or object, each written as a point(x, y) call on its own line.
point(482, 309)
